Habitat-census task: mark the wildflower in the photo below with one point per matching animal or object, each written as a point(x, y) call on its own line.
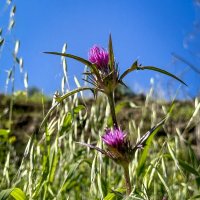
point(104, 61)
point(121, 150)
point(99, 56)
point(114, 138)
point(119, 147)
point(103, 74)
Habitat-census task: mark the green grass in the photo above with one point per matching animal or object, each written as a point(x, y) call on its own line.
point(56, 167)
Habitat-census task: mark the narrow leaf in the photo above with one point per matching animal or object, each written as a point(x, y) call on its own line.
point(82, 60)
point(142, 142)
point(92, 147)
point(146, 140)
point(16, 193)
point(111, 53)
point(161, 71)
point(53, 165)
point(188, 168)
point(65, 96)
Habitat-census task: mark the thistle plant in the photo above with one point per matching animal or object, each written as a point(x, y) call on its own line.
point(103, 76)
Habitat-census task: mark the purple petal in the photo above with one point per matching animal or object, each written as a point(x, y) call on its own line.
point(98, 56)
point(114, 137)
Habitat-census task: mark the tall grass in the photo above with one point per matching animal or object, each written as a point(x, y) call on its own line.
point(56, 167)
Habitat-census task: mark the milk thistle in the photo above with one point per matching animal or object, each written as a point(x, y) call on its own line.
point(104, 76)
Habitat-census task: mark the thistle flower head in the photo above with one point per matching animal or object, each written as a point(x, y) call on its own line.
point(114, 138)
point(98, 56)
point(118, 146)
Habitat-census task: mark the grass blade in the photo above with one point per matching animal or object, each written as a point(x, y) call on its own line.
point(16, 193)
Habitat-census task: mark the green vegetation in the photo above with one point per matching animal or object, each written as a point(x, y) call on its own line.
point(54, 166)
point(41, 156)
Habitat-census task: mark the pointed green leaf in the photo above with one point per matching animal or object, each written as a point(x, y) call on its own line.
point(67, 123)
point(188, 168)
point(16, 193)
point(53, 165)
point(65, 96)
point(132, 68)
point(146, 139)
point(111, 53)
point(82, 60)
point(161, 71)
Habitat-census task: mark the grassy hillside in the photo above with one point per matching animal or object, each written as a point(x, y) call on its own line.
point(49, 164)
point(28, 113)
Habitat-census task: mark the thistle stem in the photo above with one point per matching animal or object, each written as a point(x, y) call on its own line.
point(127, 179)
point(112, 109)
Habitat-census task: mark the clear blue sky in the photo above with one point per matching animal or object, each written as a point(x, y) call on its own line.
point(141, 29)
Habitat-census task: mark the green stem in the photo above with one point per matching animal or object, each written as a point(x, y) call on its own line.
point(112, 109)
point(127, 179)
point(12, 98)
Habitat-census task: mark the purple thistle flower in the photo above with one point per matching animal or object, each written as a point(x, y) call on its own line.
point(114, 138)
point(99, 56)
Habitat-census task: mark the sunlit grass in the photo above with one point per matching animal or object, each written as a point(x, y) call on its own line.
point(56, 167)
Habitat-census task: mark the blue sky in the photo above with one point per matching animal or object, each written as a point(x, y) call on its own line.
point(141, 29)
